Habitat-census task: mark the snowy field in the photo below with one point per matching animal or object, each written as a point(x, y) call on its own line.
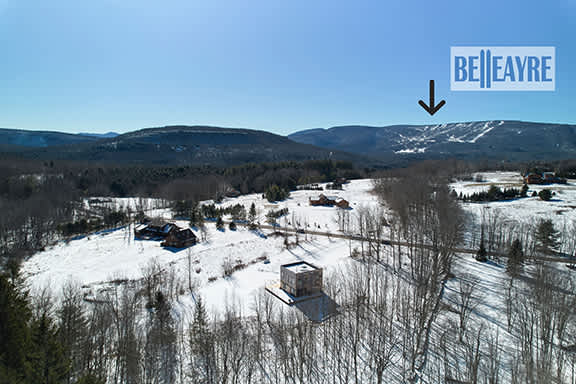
point(97, 260)
point(561, 208)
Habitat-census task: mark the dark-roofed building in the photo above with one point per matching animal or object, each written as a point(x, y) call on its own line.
point(180, 238)
point(155, 231)
point(300, 278)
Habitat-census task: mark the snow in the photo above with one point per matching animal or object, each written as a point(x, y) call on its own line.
point(561, 208)
point(95, 261)
point(412, 150)
point(487, 128)
point(300, 267)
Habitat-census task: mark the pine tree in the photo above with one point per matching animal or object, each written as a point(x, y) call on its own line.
point(202, 346)
point(515, 258)
point(524, 191)
point(15, 338)
point(252, 216)
point(49, 365)
point(546, 235)
point(482, 255)
point(545, 194)
point(195, 215)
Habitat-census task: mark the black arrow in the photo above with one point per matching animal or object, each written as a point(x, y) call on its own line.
point(431, 109)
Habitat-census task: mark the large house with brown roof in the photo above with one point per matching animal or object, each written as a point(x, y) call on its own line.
point(543, 178)
point(329, 201)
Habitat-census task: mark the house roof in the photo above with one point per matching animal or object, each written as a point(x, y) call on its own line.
point(300, 267)
point(184, 234)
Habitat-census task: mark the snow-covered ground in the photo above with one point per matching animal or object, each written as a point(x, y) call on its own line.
point(562, 206)
point(96, 260)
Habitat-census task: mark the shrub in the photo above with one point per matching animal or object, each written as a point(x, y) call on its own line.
point(545, 194)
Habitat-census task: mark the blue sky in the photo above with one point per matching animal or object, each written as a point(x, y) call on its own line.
point(276, 65)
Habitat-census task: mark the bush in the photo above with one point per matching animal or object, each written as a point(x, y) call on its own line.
point(545, 194)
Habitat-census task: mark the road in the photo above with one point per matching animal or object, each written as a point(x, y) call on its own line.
point(392, 242)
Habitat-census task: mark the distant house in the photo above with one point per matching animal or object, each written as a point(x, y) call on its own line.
point(300, 278)
point(155, 231)
point(232, 193)
point(328, 201)
point(533, 178)
point(180, 238)
point(543, 178)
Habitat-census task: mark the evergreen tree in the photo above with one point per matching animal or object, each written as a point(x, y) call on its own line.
point(482, 255)
point(546, 235)
point(219, 223)
point(515, 258)
point(182, 208)
point(202, 346)
point(15, 338)
point(239, 213)
point(524, 191)
point(545, 194)
point(275, 193)
point(49, 365)
point(196, 217)
point(252, 216)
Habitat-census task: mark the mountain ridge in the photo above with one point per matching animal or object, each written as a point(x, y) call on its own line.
point(505, 139)
point(176, 145)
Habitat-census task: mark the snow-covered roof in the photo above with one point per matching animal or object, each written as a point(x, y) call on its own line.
point(300, 267)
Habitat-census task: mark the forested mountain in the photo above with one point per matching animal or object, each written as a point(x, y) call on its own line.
point(506, 140)
point(396, 144)
point(179, 145)
point(23, 138)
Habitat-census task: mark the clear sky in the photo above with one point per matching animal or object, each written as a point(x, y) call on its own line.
point(277, 65)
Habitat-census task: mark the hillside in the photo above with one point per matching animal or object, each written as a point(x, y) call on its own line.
point(509, 140)
point(24, 138)
point(186, 145)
